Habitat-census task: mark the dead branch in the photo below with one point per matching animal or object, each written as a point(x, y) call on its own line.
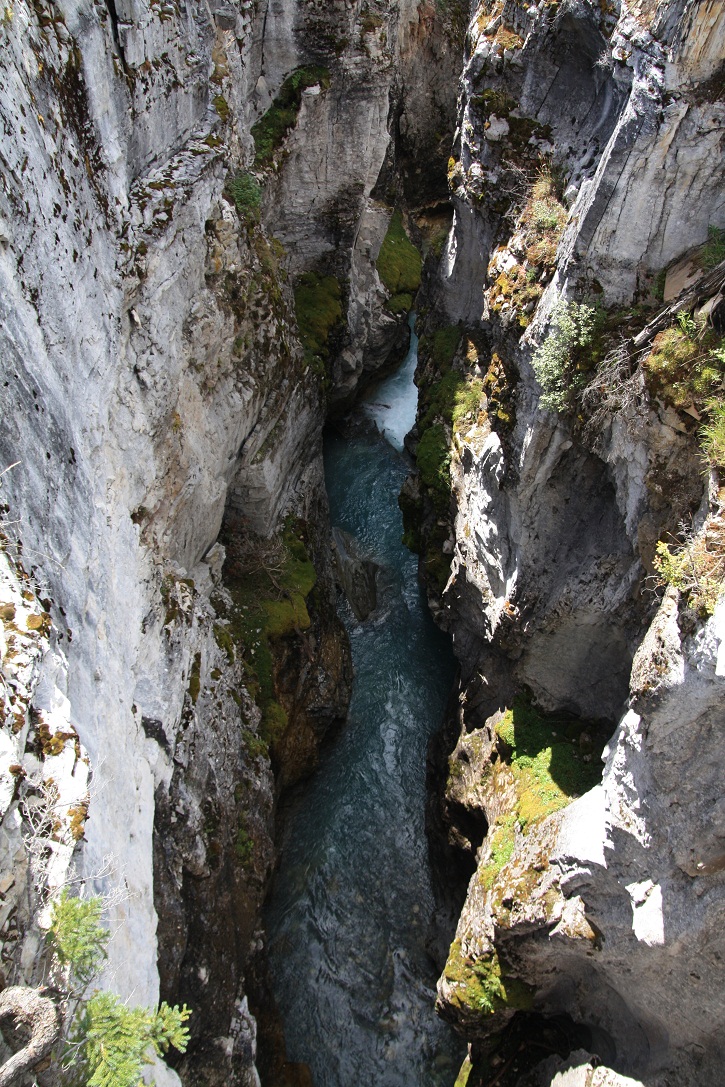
point(706, 286)
point(41, 1016)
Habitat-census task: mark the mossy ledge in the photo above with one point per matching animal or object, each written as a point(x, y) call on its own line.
point(269, 582)
point(272, 128)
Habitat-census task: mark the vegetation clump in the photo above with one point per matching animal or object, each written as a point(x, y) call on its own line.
point(481, 982)
point(561, 362)
point(399, 265)
point(109, 1042)
point(546, 758)
point(269, 582)
point(541, 224)
point(713, 252)
point(686, 363)
point(246, 194)
point(318, 305)
point(696, 567)
point(270, 130)
point(501, 848)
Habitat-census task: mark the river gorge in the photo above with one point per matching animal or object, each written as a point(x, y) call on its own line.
point(440, 811)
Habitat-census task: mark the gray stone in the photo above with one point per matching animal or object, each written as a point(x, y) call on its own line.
point(356, 575)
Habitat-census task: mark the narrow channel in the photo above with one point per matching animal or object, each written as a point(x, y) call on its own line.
point(349, 915)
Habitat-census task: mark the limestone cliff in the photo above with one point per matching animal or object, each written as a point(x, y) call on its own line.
point(586, 179)
point(174, 177)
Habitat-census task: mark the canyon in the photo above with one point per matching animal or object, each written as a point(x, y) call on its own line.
point(214, 221)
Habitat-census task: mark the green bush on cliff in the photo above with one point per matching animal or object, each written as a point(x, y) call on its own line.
point(109, 1041)
point(270, 130)
point(560, 363)
point(399, 262)
point(244, 190)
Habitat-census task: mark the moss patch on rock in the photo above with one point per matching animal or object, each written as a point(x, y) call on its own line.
point(399, 263)
point(553, 758)
point(269, 582)
point(270, 130)
point(481, 984)
point(318, 305)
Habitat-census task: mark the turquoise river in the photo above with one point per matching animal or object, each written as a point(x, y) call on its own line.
point(349, 915)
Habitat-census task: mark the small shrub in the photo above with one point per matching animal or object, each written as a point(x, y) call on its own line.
point(558, 362)
point(111, 1043)
point(76, 935)
point(696, 567)
point(246, 194)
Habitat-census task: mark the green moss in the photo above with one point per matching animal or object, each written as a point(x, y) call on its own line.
point(270, 131)
point(318, 305)
point(686, 364)
point(482, 984)
point(256, 747)
point(274, 722)
point(543, 751)
point(243, 845)
point(503, 841)
point(400, 303)
point(221, 106)
point(433, 459)
point(453, 398)
point(268, 603)
point(444, 345)
point(224, 640)
point(399, 262)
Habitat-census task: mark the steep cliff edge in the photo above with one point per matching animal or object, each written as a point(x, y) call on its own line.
point(173, 179)
point(572, 352)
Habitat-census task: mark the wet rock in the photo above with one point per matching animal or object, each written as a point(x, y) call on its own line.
point(356, 575)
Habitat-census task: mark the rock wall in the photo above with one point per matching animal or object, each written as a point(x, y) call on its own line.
point(154, 389)
point(581, 128)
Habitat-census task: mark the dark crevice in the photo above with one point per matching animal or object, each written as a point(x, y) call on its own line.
point(111, 5)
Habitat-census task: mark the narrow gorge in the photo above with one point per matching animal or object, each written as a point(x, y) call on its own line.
point(258, 760)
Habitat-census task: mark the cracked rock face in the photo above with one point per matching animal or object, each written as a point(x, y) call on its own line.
point(604, 914)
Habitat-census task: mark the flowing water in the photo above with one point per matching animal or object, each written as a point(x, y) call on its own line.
point(351, 904)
